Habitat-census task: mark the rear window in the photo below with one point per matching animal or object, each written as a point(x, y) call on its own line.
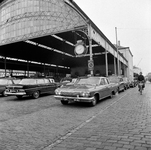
point(47, 81)
point(40, 81)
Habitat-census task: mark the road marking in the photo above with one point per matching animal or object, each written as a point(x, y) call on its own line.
point(61, 139)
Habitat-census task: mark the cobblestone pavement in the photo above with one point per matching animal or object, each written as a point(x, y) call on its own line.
point(123, 125)
point(30, 124)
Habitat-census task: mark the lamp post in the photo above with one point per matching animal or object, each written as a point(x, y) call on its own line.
point(118, 72)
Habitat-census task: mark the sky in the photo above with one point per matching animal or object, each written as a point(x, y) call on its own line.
point(132, 18)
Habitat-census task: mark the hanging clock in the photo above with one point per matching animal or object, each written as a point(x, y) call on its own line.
point(80, 48)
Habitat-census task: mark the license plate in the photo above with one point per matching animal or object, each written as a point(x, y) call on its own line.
point(13, 91)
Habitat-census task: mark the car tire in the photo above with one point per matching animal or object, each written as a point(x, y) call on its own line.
point(64, 102)
point(36, 94)
point(19, 96)
point(94, 102)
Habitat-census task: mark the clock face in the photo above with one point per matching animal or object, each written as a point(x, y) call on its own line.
point(79, 49)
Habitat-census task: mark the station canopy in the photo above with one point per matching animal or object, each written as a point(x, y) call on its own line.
point(45, 34)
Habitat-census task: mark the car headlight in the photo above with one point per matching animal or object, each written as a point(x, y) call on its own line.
point(57, 92)
point(85, 94)
point(7, 90)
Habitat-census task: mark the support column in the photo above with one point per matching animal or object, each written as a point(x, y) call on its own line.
point(118, 69)
point(5, 65)
point(90, 45)
point(125, 73)
point(106, 60)
point(118, 64)
point(28, 68)
point(44, 70)
point(126, 70)
point(115, 64)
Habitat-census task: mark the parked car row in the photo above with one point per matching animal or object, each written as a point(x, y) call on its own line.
point(83, 89)
point(90, 89)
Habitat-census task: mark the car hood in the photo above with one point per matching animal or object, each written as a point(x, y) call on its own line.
point(77, 88)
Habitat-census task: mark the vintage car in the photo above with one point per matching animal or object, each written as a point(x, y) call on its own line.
point(85, 89)
point(132, 84)
point(32, 87)
point(118, 81)
point(126, 83)
point(5, 82)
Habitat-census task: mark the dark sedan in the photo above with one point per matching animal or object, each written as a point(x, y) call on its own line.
point(32, 87)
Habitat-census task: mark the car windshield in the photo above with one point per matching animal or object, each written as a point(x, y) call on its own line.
point(27, 81)
point(125, 79)
point(3, 81)
point(113, 80)
point(66, 80)
point(91, 81)
point(16, 81)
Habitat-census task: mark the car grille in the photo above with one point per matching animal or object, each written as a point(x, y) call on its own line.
point(70, 94)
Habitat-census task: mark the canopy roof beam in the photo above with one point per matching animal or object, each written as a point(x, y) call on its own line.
point(48, 48)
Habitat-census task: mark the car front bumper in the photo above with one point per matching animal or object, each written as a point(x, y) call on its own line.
point(75, 99)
